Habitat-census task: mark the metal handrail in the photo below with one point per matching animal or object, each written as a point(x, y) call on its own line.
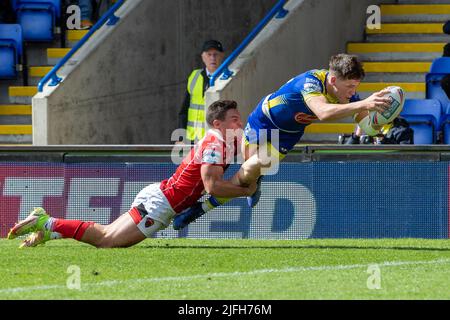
point(277, 10)
point(109, 15)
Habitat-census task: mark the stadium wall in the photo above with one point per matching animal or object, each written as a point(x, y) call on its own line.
point(305, 39)
point(334, 193)
point(127, 84)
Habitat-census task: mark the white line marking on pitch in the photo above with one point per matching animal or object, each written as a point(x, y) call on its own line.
point(228, 274)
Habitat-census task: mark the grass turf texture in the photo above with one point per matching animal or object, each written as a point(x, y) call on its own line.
point(229, 269)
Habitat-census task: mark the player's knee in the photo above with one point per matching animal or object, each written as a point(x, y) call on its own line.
point(251, 168)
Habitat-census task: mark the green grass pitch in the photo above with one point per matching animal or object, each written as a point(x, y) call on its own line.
point(229, 269)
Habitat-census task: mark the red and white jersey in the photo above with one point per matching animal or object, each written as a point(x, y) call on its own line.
point(185, 186)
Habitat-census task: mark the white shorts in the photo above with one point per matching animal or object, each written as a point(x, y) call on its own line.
point(158, 209)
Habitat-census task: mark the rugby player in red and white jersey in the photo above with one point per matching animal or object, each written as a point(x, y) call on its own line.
point(155, 205)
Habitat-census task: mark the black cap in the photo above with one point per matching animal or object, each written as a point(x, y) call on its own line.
point(212, 44)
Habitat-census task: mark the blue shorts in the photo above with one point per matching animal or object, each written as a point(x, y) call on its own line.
point(257, 121)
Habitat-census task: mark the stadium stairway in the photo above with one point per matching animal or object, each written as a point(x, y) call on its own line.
point(399, 53)
point(15, 99)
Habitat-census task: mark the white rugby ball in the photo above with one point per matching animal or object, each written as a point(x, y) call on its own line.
point(397, 98)
point(373, 121)
point(363, 120)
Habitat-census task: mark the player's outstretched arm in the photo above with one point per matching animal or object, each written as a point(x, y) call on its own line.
point(329, 111)
point(216, 186)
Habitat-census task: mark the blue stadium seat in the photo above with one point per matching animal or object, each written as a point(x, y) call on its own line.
point(446, 125)
point(11, 50)
point(440, 65)
point(38, 18)
point(439, 68)
point(424, 116)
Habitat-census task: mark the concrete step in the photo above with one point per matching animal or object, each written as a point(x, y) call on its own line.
point(16, 130)
point(442, 18)
point(406, 67)
point(16, 134)
point(428, 8)
point(73, 36)
point(415, 28)
point(15, 124)
point(37, 52)
point(326, 132)
point(407, 32)
point(22, 95)
point(15, 110)
point(37, 73)
point(394, 77)
point(413, 90)
point(424, 2)
point(320, 138)
point(396, 71)
point(54, 55)
point(15, 120)
point(16, 139)
point(327, 128)
point(397, 51)
point(15, 114)
point(408, 37)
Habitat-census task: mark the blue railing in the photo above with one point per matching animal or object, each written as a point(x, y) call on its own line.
point(108, 17)
point(277, 10)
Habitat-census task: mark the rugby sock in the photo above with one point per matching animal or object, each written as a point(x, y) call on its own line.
point(49, 226)
point(70, 228)
point(214, 202)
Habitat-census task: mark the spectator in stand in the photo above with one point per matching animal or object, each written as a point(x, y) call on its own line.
point(192, 114)
point(91, 9)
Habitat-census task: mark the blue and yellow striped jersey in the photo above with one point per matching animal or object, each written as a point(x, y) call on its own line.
point(287, 106)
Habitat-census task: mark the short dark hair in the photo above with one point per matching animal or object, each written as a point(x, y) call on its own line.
point(347, 67)
point(217, 110)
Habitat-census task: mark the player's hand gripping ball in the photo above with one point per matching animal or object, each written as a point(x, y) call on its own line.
point(371, 122)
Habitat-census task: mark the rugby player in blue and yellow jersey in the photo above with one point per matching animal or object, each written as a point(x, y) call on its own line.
point(279, 121)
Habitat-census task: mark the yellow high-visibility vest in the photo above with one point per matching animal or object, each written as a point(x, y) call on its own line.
point(196, 112)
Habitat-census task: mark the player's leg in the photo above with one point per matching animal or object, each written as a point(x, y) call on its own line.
point(261, 159)
point(123, 232)
point(36, 221)
point(43, 228)
point(200, 208)
point(250, 172)
point(127, 230)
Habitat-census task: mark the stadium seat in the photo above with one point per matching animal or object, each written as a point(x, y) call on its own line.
point(446, 125)
point(38, 18)
point(424, 117)
point(440, 65)
point(439, 68)
point(10, 50)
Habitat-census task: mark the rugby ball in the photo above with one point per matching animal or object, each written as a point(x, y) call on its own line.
point(397, 98)
point(372, 122)
point(364, 122)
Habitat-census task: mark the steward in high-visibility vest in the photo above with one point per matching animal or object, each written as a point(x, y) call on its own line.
point(195, 128)
point(192, 114)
